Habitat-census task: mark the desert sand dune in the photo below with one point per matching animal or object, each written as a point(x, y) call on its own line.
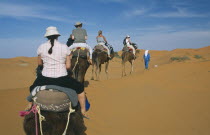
point(169, 99)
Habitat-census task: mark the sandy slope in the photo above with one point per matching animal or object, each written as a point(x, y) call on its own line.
point(169, 100)
point(172, 99)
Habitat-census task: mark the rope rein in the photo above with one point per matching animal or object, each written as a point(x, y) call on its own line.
point(77, 60)
point(41, 117)
point(67, 124)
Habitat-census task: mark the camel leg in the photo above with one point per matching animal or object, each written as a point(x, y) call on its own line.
point(97, 70)
point(97, 73)
point(106, 69)
point(122, 69)
point(92, 78)
point(132, 63)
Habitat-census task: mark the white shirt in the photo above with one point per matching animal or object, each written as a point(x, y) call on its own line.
point(127, 41)
point(54, 64)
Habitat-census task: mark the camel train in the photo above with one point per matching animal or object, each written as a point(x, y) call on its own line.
point(51, 122)
point(54, 109)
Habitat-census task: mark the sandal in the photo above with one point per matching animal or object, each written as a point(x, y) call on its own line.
point(85, 116)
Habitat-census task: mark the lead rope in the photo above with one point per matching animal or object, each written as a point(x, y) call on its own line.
point(41, 117)
point(67, 124)
point(76, 61)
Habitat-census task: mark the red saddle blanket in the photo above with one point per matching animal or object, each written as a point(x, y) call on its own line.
point(125, 48)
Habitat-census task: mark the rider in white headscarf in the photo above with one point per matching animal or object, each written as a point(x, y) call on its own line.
point(146, 53)
point(146, 57)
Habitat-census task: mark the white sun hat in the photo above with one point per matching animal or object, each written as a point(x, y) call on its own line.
point(127, 36)
point(51, 31)
point(77, 23)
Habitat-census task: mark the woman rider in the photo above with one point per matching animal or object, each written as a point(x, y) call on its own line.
point(55, 58)
point(101, 40)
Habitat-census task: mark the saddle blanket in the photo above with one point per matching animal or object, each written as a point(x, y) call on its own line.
point(72, 95)
point(100, 47)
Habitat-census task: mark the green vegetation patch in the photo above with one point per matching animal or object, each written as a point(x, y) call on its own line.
point(21, 61)
point(180, 58)
point(198, 56)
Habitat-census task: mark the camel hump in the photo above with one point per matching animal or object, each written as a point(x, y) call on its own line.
point(52, 100)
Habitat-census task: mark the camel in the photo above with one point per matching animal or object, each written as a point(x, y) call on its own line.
point(100, 57)
point(55, 122)
point(127, 55)
point(79, 64)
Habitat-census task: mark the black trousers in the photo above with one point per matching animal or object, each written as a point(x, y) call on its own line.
point(64, 81)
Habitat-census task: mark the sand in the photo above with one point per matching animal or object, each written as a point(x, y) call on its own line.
point(171, 98)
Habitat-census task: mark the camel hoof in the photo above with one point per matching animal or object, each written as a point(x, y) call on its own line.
point(92, 78)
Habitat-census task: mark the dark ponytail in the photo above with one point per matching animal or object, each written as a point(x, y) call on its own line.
point(52, 39)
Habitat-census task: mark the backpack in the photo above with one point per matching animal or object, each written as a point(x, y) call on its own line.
point(69, 42)
point(134, 45)
point(110, 48)
point(124, 41)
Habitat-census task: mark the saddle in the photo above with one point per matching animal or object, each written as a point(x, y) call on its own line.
point(52, 100)
point(79, 51)
point(101, 48)
point(127, 49)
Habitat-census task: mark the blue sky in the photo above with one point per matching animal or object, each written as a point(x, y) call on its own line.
point(152, 24)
